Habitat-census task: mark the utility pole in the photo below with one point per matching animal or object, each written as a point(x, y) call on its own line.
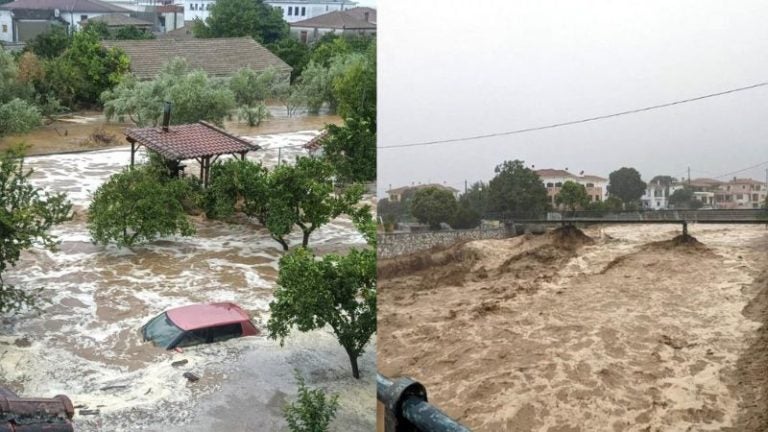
point(465, 185)
point(689, 176)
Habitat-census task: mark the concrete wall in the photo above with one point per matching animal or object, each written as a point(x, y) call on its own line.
point(391, 245)
point(6, 26)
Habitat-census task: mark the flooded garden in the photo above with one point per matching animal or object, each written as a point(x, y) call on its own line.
point(85, 341)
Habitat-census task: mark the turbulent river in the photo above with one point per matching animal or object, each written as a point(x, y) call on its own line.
point(624, 332)
point(85, 342)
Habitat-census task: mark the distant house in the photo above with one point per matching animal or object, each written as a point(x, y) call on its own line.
point(554, 179)
point(219, 57)
point(656, 196)
point(399, 194)
point(340, 22)
point(363, 13)
point(741, 193)
point(292, 10)
point(22, 20)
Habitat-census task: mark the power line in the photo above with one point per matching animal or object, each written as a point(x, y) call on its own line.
point(573, 122)
point(741, 170)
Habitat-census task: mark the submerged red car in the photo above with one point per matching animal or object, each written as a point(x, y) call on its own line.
point(198, 324)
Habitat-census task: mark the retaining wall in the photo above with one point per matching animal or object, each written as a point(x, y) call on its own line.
point(391, 245)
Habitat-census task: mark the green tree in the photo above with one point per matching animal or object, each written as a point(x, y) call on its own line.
point(572, 195)
point(132, 33)
point(50, 44)
point(476, 198)
point(251, 88)
point(312, 411)
point(193, 94)
point(351, 149)
point(303, 195)
point(238, 185)
point(236, 18)
point(433, 206)
point(136, 205)
point(354, 88)
point(518, 190)
point(465, 217)
point(17, 117)
point(684, 199)
point(337, 291)
point(625, 184)
point(293, 52)
point(27, 214)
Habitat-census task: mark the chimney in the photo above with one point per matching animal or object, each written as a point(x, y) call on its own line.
point(166, 116)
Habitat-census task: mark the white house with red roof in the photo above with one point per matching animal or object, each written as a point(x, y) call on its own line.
point(553, 179)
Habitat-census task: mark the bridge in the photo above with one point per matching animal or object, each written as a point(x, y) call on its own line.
point(682, 217)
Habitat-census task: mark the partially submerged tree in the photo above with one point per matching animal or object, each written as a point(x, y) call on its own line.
point(136, 205)
point(194, 95)
point(573, 196)
point(337, 291)
point(27, 214)
point(312, 411)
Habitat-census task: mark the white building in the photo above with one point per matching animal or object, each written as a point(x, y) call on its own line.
point(293, 10)
point(22, 20)
point(553, 179)
point(656, 196)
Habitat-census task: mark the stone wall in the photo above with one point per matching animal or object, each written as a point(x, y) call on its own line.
point(391, 245)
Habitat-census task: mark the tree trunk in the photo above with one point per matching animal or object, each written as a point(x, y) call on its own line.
point(305, 240)
point(282, 242)
point(353, 362)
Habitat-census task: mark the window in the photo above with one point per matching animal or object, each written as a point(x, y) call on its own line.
point(225, 332)
point(290, 10)
point(755, 198)
point(739, 196)
point(193, 337)
point(83, 18)
point(208, 6)
point(303, 11)
point(303, 36)
point(558, 184)
point(591, 185)
point(550, 184)
point(5, 28)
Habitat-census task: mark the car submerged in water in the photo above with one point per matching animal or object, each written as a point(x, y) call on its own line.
point(198, 324)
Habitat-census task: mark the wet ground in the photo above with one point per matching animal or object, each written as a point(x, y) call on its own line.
point(618, 332)
point(74, 132)
point(86, 344)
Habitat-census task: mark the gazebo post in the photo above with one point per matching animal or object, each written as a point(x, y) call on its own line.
point(207, 170)
point(133, 151)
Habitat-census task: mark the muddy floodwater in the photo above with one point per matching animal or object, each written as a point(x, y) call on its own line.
point(621, 331)
point(86, 341)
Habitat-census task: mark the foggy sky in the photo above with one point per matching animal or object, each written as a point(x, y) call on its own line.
point(449, 69)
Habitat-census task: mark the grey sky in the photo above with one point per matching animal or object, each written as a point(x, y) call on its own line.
point(449, 69)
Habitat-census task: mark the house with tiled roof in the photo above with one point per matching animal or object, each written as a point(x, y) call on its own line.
point(23, 20)
point(291, 10)
point(553, 179)
point(741, 193)
point(219, 57)
point(339, 22)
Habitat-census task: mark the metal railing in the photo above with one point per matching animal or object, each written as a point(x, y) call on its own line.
point(406, 408)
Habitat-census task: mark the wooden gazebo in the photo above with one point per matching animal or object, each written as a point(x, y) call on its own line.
point(200, 141)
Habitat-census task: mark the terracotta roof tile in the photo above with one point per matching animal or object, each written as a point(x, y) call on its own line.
point(217, 57)
point(189, 141)
point(335, 20)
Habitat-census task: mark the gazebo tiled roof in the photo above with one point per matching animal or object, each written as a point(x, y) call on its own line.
point(189, 141)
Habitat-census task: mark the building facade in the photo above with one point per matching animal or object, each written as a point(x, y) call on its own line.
point(553, 179)
point(657, 193)
point(292, 10)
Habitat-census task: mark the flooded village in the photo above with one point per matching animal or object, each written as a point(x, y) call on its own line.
point(81, 328)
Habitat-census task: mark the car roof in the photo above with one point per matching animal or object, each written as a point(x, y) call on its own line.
point(203, 315)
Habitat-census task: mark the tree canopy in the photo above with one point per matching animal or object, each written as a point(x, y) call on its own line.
point(684, 199)
point(138, 205)
point(626, 184)
point(351, 149)
point(518, 190)
point(337, 291)
point(433, 206)
point(193, 94)
point(27, 214)
point(573, 196)
point(235, 18)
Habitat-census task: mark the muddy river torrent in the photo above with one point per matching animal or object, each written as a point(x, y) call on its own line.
point(86, 344)
point(621, 331)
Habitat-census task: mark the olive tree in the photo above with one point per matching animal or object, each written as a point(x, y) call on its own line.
point(338, 291)
point(136, 205)
point(27, 214)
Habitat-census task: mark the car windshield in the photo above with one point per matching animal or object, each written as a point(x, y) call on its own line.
point(161, 331)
